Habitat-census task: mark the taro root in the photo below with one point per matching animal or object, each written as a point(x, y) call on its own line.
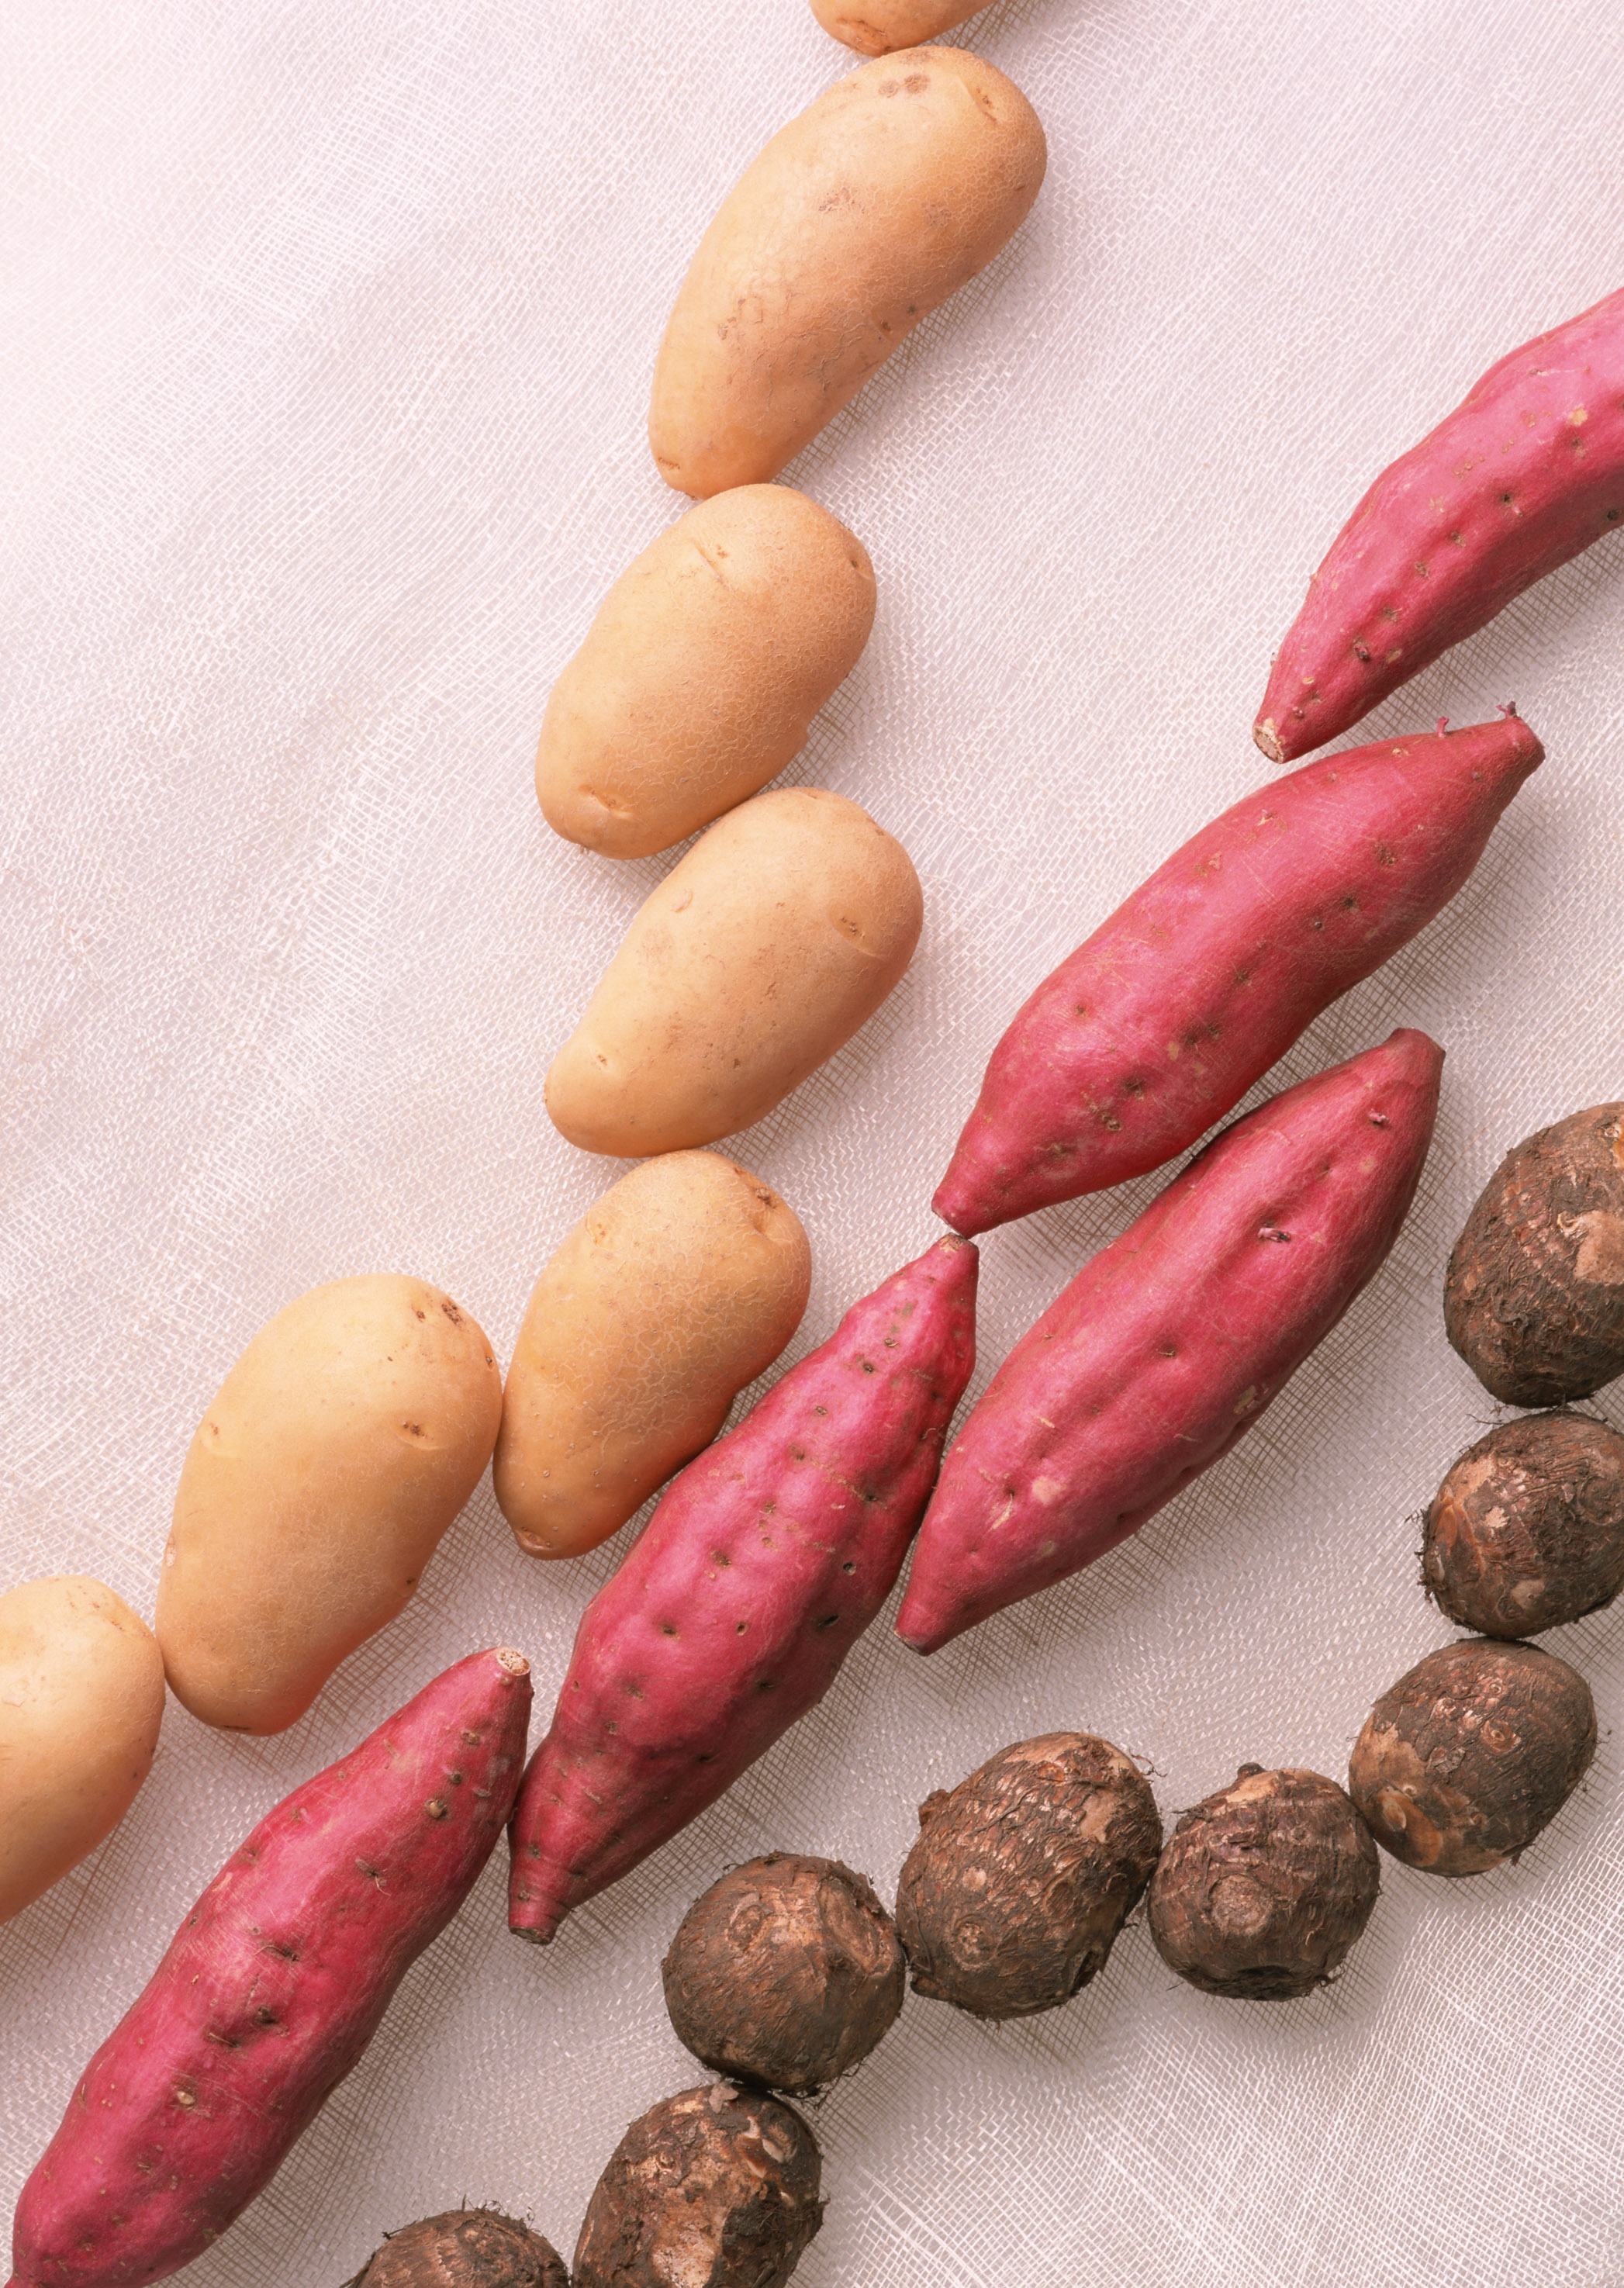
point(787, 1972)
point(717, 2188)
point(1022, 1876)
point(465, 2248)
point(1534, 1297)
point(1265, 1887)
point(1473, 1751)
point(1527, 1529)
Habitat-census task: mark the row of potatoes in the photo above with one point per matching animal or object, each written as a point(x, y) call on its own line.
point(357, 1423)
point(338, 1449)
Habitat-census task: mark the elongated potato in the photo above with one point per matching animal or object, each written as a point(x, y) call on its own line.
point(336, 1453)
point(876, 27)
point(700, 677)
point(683, 1281)
point(855, 221)
point(81, 1701)
point(777, 936)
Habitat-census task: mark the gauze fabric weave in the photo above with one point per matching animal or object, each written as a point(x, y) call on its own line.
point(329, 335)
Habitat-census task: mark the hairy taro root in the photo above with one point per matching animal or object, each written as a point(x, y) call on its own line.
point(1533, 1300)
point(1265, 1887)
point(717, 2188)
point(465, 2248)
point(1473, 1751)
point(1023, 1875)
point(787, 1972)
point(1527, 1531)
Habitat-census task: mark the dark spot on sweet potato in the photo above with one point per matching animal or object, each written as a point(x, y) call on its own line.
point(452, 1312)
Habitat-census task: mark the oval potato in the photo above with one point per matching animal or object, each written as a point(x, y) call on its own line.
point(679, 1287)
point(81, 1701)
point(858, 219)
point(764, 950)
point(700, 677)
point(336, 1453)
point(875, 28)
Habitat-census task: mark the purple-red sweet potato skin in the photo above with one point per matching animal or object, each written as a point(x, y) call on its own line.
point(1170, 1342)
point(1524, 473)
point(1158, 1024)
point(760, 1568)
point(273, 1988)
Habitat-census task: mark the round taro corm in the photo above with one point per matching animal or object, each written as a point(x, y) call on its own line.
point(1265, 1887)
point(787, 1972)
point(465, 2248)
point(1527, 1531)
point(1023, 1874)
point(1533, 1298)
point(718, 2187)
point(1473, 1751)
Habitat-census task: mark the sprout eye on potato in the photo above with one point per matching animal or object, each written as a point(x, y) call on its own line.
point(681, 1285)
point(857, 219)
point(762, 952)
point(81, 1701)
point(700, 677)
point(332, 1458)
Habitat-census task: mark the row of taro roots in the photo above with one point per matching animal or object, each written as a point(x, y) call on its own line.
point(789, 1971)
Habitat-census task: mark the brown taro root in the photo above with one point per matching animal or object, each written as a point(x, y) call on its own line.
point(717, 2188)
point(1023, 1874)
point(1534, 1297)
point(465, 2248)
point(787, 1972)
point(1473, 1751)
point(1527, 1531)
point(1265, 1887)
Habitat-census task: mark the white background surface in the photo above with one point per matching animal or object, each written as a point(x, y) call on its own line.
point(327, 331)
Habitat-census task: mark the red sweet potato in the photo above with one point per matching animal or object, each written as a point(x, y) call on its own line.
point(273, 1988)
point(1171, 1341)
point(1160, 1023)
point(1528, 471)
point(761, 1567)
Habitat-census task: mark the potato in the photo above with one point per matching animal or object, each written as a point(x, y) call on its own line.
point(875, 28)
point(1533, 1298)
point(683, 1281)
point(81, 1700)
point(763, 950)
point(336, 1453)
point(699, 678)
point(859, 218)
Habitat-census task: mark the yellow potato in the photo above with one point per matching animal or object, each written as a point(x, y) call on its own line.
point(336, 1453)
point(898, 184)
point(700, 677)
point(81, 1701)
point(875, 28)
point(763, 950)
point(683, 1281)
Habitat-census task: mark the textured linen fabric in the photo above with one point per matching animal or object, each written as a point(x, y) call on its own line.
point(328, 331)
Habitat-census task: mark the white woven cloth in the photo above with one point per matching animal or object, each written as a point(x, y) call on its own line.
point(328, 327)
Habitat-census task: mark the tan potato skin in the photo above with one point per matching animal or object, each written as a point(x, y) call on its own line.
point(875, 28)
point(679, 1287)
point(763, 950)
point(336, 1453)
point(700, 677)
point(859, 218)
point(81, 1701)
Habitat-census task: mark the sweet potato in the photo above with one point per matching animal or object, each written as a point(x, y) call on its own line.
point(1172, 1340)
point(1524, 473)
point(760, 1568)
point(273, 1987)
point(1160, 1023)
